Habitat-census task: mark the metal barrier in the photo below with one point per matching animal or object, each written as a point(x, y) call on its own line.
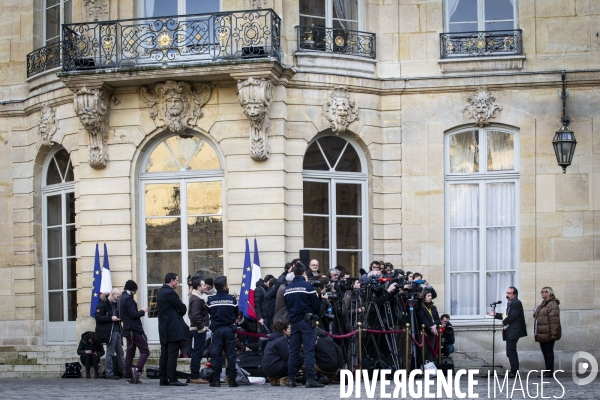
point(481, 43)
point(176, 39)
point(336, 40)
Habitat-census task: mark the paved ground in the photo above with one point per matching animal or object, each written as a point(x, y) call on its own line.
point(103, 389)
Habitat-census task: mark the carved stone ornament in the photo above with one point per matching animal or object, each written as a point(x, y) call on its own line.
point(255, 97)
point(339, 110)
point(482, 106)
point(93, 108)
point(96, 8)
point(258, 3)
point(47, 125)
point(174, 105)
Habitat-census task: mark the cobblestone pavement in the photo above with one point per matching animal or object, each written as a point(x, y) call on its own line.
point(150, 389)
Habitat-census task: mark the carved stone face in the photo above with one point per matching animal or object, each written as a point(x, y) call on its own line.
point(90, 120)
point(253, 109)
point(341, 110)
point(174, 105)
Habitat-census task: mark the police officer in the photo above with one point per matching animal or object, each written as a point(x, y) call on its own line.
point(302, 302)
point(223, 314)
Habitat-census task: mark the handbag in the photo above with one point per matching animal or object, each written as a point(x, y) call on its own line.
point(72, 370)
point(430, 366)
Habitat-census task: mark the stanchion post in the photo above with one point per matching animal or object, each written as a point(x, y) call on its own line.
point(407, 334)
point(423, 342)
point(439, 337)
point(359, 349)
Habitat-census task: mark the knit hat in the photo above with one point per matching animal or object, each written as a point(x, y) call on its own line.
point(131, 285)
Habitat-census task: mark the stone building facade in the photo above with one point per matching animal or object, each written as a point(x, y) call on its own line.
point(367, 130)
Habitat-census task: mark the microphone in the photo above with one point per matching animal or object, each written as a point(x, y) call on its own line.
point(496, 303)
point(419, 281)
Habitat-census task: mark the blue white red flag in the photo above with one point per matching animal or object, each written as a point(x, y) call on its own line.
point(96, 282)
point(106, 282)
point(250, 276)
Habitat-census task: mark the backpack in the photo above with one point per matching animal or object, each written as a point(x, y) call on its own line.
point(72, 370)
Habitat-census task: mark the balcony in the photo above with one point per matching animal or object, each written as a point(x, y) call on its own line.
point(336, 40)
point(43, 59)
point(160, 42)
point(481, 44)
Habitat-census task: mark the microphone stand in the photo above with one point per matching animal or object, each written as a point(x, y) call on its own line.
point(493, 367)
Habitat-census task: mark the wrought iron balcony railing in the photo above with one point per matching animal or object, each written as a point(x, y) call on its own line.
point(168, 40)
point(481, 44)
point(336, 40)
point(43, 59)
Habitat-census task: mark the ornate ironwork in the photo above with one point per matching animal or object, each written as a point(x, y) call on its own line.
point(481, 44)
point(336, 40)
point(188, 38)
point(43, 59)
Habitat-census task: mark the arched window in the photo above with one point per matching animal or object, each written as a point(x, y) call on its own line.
point(182, 215)
point(60, 277)
point(335, 203)
point(482, 218)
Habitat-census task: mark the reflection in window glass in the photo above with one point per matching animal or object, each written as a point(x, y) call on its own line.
point(204, 198)
point(501, 151)
point(181, 153)
point(163, 233)
point(163, 199)
point(205, 232)
point(464, 152)
point(161, 263)
point(208, 263)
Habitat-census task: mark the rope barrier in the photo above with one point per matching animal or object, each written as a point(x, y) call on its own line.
point(433, 352)
point(347, 335)
point(421, 344)
point(382, 332)
point(251, 334)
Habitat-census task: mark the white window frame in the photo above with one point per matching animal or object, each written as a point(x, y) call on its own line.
point(329, 14)
point(183, 178)
point(61, 189)
point(62, 19)
point(480, 15)
point(482, 178)
point(332, 178)
point(181, 8)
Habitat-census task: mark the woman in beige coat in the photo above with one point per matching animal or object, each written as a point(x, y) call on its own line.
point(547, 328)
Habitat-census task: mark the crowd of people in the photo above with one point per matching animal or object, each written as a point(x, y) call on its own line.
point(302, 311)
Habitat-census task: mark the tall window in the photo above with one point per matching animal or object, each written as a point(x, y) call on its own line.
point(335, 217)
point(342, 14)
point(60, 275)
point(182, 208)
point(165, 8)
point(480, 15)
point(56, 13)
point(482, 219)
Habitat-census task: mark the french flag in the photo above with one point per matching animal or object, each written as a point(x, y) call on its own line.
point(250, 276)
point(101, 281)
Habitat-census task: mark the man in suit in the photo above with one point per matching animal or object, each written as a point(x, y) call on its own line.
point(172, 330)
point(513, 322)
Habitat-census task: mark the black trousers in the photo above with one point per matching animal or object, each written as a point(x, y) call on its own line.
point(511, 353)
point(168, 361)
point(89, 359)
point(223, 339)
point(548, 352)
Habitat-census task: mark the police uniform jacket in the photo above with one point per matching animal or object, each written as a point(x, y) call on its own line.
point(130, 315)
point(300, 298)
point(223, 309)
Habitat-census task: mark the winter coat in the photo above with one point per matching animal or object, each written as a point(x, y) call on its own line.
point(84, 345)
point(547, 321)
point(259, 299)
point(105, 326)
point(514, 322)
point(328, 355)
point(428, 319)
point(130, 315)
point(198, 312)
point(171, 326)
point(275, 355)
point(270, 298)
point(280, 310)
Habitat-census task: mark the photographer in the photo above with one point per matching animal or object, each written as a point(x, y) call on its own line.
point(428, 316)
point(418, 278)
point(328, 356)
point(447, 335)
point(375, 266)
